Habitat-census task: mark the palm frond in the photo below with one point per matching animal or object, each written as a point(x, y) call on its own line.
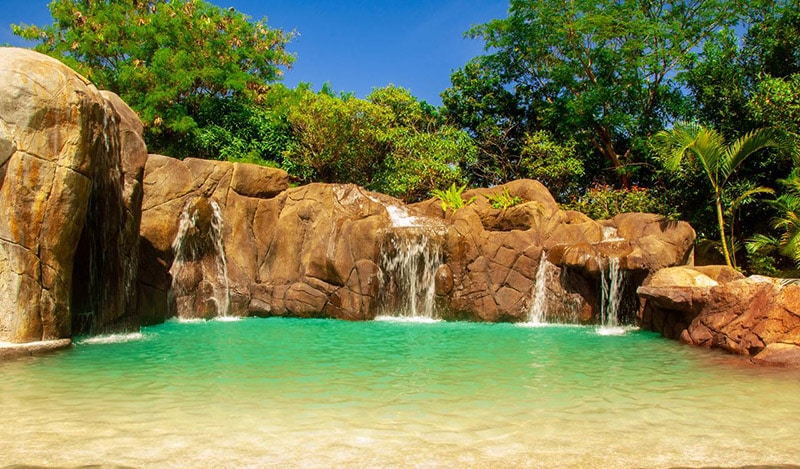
point(689, 138)
point(748, 194)
point(747, 145)
point(761, 242)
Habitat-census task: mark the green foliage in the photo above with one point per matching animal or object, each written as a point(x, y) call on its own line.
point(787, 223)
point(777, 103)
point(452, 198)
point(165, 58)
point(503, 200)
point(719, 85)
point(336, 139)
point(236, 129)
point(602, 202)
point(479, 102)
point(420, 161)
point(555, 165)
point(718, 160)
point(424, 152)
point(603, 72)
point(770, 44)
point(390, 142)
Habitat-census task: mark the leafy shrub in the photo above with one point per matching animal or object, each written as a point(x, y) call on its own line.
point(602, 202)
point(555, 165)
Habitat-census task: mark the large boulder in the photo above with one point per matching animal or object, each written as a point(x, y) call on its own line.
point(201, 211)
point(717, 307)
point(70, 171)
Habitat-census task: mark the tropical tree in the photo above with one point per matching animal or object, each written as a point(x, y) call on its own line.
point(601, 71)
point(165, 58)
point(336, 139)
point(238, 129)
point(788, 221)
point(718, 160)
point(479, 102)
point(389, 142)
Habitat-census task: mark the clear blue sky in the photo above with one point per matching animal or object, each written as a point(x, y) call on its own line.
point(354, 45)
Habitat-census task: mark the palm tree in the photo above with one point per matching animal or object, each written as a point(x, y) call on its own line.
point(718, 160)
point(788, 204)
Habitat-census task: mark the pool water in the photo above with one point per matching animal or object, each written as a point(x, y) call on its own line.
point(324, 393)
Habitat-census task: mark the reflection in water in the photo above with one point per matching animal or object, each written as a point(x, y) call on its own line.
point(278, 392)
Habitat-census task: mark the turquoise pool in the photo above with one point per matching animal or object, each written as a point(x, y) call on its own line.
point(322, 393)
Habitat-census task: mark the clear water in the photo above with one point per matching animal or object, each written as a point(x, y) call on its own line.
point(319, 393)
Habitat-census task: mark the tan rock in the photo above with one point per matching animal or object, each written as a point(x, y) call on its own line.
point(787, 355)
point(748, 316)
point(71, 161)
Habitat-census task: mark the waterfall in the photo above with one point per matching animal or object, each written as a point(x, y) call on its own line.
point(611, 284)
point(411, 252)
point(105, 262)
point(199, 272)
point(537, 313)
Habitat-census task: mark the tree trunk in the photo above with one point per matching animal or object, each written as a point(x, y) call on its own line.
point(721, 221)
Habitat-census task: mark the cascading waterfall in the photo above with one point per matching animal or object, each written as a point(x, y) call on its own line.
point(410, 255)
point(224, 302)
point(199, 272)
point(611, 284)
point(537, 313)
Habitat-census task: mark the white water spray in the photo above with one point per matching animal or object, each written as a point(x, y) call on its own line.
point(537, 313)
point(200, 269)
point(409, 261)
point(611, 283)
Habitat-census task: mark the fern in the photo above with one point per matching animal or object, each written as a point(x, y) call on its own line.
point(452, 198)
point(503, 200)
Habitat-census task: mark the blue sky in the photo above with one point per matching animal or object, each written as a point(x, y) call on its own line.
point(354, 45)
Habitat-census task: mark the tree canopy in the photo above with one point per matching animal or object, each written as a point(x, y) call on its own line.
point(165, 58)
point(601, 70)
point(389, 142)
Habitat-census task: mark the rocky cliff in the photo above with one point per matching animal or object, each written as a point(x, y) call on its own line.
point(230, 238)
point(71, 161)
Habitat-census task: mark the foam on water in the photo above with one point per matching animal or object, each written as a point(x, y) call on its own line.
point(112, 338)
point(227, 318)
point(534, 325)
point(407, 319)
point(178, 320)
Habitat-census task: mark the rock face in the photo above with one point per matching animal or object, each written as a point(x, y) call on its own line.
point(339, 251)
point(308, 251)
point(70, 157)
point(717, 307)
point(493, 255)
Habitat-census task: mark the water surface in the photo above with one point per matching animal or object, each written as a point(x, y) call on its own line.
point(320, 393)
